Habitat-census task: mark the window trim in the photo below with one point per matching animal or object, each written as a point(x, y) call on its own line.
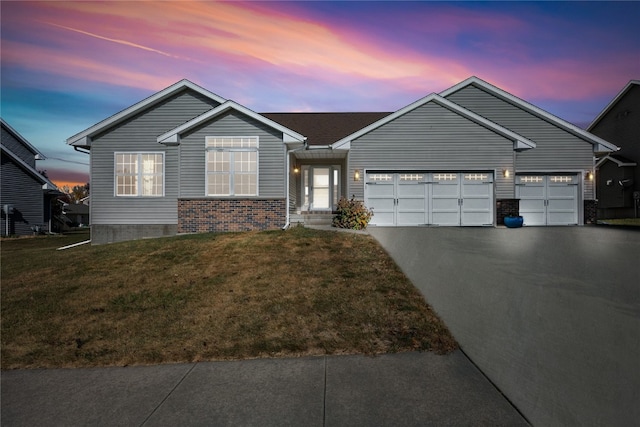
point(231, 172)
point(139, 155)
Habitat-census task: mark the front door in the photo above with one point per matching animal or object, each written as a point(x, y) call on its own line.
point(320, 187)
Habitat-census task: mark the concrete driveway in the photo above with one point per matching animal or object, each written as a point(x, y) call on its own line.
point(550, 314)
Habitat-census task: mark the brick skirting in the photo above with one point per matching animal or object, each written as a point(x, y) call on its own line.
point(506, 207)
point(206, 215)
point(590, 211)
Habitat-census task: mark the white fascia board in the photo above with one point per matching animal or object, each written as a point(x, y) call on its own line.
point(37, 153)
point(599, 144)
point(613, 102)
point(83, 139)
point(173, 136)
point(520, 142)
point(614, 160)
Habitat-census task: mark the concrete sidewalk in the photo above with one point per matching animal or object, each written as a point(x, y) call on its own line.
point(407, 389)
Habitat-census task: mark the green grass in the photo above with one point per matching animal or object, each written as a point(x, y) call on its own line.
point(207, 297)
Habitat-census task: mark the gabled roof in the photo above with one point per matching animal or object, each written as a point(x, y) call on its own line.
point(323, 129)
point(37, 153)
point(599, 144)
point(613, 102)
point(46, 184)
point(619, 160)
point(519, 141)
point(83, 139)
point(173, 136)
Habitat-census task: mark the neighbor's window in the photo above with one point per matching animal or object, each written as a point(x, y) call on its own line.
point(232, 166)
point(139, 174)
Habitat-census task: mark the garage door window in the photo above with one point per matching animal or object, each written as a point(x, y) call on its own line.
point(564, 178)
point(380, 177)
point(445, 176)
point(531, 179)
point(411, 177)
point(476, 177)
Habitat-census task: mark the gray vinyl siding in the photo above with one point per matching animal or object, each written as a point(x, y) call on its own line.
point(138, 134)
point(24, 192)
point(271, 155)
point(556, 149)
point(432, 138)
point(18, 148)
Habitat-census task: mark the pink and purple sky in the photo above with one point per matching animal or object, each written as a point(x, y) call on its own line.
point(67, 65)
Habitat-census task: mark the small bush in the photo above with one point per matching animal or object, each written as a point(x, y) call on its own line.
point(352, 213)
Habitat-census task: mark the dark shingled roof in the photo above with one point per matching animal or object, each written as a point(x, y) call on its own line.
point(325, 128)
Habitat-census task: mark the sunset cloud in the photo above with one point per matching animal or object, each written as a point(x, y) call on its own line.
point(95, 58)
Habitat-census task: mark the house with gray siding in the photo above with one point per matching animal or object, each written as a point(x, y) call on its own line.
point(187, 160)
point(26, 194)
point(618, 174)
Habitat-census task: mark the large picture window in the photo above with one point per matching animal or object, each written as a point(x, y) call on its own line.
point(232, 166)
point(139, 174)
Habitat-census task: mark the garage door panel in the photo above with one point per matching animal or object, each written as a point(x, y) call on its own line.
point(477, 218)
point(411, 218)
point(439, 198)
point(548, 199)
point(445, 190)
point(532, 191)
point(382, 218)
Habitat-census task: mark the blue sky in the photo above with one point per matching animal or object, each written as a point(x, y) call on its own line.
point(68, 65)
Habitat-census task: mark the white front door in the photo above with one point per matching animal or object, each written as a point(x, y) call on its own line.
point(548, 199)
point(321, 186)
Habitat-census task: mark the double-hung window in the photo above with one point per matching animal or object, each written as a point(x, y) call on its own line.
point(139, 174)
point(232, 166)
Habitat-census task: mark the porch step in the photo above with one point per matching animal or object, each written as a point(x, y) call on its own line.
point(311, 218)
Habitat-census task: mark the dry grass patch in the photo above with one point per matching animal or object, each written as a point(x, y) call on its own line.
point(208, 297)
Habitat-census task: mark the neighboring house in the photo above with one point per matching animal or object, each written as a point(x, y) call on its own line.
point(27, 195)
point(186, 160)
point(618, 175)
point(73, 215)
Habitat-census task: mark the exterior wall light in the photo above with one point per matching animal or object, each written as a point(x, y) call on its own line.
point(296, 169)
point(505, 173)
point(356, 175)
point(589, 176)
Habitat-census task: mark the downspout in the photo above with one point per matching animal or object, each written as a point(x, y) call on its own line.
point(287, 178)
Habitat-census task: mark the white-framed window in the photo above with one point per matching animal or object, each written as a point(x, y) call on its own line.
point(139, 174)
point(232, 165)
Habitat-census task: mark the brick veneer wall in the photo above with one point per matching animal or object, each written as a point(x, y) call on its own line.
point(506, 207)
point(206, 215)
point(590, 211)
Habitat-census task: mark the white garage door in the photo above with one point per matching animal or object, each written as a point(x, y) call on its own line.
point(422, 198)
point(548, 199)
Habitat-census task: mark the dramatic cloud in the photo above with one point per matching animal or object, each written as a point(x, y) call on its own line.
point(96, 58)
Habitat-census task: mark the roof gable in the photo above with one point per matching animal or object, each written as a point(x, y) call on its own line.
point(46, 183)
point(83, 139)
point(613, 102)
point(599, 144)
point(618, 160)
point(519, 141)
point(37, 153)
point(172, 137)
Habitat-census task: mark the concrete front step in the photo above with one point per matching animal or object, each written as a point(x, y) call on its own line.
point(311, 218)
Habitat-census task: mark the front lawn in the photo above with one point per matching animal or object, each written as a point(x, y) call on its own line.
point(208, 297)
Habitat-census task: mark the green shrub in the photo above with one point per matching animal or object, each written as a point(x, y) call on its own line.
point(352, 213)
